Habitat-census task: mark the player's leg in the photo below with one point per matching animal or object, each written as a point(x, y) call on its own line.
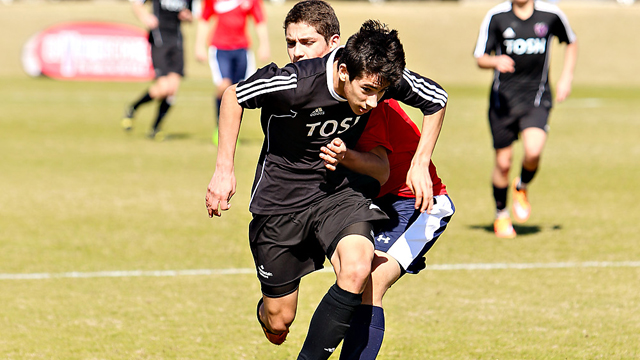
point(534, 137)
point(158, 54)
point(400, 248)
point(170, 88)
point(352, 263)
point(281, 256)
point(504, 129)
point(364, 337)
point(276, 311)
point(343, 227)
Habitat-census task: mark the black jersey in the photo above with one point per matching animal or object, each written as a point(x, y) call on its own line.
point(528, 43)
point(301, 112)
point(168, 29)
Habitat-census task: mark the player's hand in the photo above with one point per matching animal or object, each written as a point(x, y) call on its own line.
point(333, 153)
point(185, 15)
point(219, 192)
point(150, 21)
point(419, 181)
point(201, 54)
point(505, 64)
point(563, 89)
point(264, 53)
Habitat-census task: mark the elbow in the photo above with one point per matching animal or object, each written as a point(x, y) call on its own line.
point(383, 176)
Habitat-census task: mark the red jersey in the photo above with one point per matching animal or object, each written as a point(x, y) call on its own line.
point(230, 31)
point(391, 127)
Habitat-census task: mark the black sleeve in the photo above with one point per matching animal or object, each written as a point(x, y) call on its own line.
point(419, 92)
point(562, 30)
point(269, 85)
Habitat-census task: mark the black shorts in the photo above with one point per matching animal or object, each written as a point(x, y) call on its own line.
point(167, 54)
point(286, 247)
point(505, 126)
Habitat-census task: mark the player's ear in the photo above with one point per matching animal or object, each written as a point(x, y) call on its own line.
point(343, 74)
point(334, 42)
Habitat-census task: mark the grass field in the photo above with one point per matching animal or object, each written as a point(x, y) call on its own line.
point(79, 195)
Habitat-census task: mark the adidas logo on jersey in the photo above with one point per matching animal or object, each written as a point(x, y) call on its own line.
point(316, 112)
point(509, 33)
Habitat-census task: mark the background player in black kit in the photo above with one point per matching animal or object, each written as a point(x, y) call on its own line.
point(302, 211)
point(515, 40)
point(167, 55)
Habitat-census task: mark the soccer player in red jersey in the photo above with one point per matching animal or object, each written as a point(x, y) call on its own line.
point(229, 55)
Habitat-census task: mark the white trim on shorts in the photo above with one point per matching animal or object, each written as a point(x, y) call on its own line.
point(410, 244)
point(213, 64)
point(216, 74)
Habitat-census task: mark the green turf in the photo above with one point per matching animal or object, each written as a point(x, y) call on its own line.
point(79, 194)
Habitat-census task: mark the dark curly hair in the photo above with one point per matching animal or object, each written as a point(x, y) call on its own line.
point(374, 50)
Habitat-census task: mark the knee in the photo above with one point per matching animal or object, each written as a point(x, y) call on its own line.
point(356, 273)
point(532, 158)
point(503, 166)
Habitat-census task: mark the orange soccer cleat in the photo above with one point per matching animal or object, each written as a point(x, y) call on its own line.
point(521, 208)
point(503, 228)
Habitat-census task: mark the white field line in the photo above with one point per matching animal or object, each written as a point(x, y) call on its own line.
point(442, 267)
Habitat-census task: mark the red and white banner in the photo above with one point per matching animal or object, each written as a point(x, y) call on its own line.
point(89, 51)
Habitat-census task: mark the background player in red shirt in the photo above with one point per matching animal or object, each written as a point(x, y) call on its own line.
point(515, 40)
point(410, 233)
point(229, 56)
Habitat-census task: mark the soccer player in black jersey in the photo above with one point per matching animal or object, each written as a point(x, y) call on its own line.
point(301, 211)
point(167, 56)
point(390, 149)
point(515, 41)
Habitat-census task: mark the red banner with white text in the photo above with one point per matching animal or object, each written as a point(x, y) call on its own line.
point(89, 51)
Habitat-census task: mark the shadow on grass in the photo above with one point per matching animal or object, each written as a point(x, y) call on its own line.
point(520, 229)
point(177, 136)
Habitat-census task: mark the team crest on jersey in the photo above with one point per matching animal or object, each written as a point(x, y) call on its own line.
point(316, 112)
point(541, 29)
point(509, 33)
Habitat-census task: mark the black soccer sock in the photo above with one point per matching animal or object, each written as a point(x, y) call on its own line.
point(144, 99)
point(218, 105)
point(500, 195)
point(329, 323)
point(527, 175)
point(365, 335)
point(162, 111)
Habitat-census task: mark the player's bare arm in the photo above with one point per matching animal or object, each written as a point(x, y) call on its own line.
point(223, 183)
point(374, 163)
point(418, 177)
point(502, 63)
point(201, 40)
point(149, 20)
point(563, 88)
point(264, 50)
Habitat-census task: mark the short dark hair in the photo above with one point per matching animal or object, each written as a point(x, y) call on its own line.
point(315, 13)
point(374, 50)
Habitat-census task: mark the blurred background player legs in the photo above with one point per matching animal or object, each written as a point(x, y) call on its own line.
point(163, 85)
point(229, 56)
point(167, 56)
